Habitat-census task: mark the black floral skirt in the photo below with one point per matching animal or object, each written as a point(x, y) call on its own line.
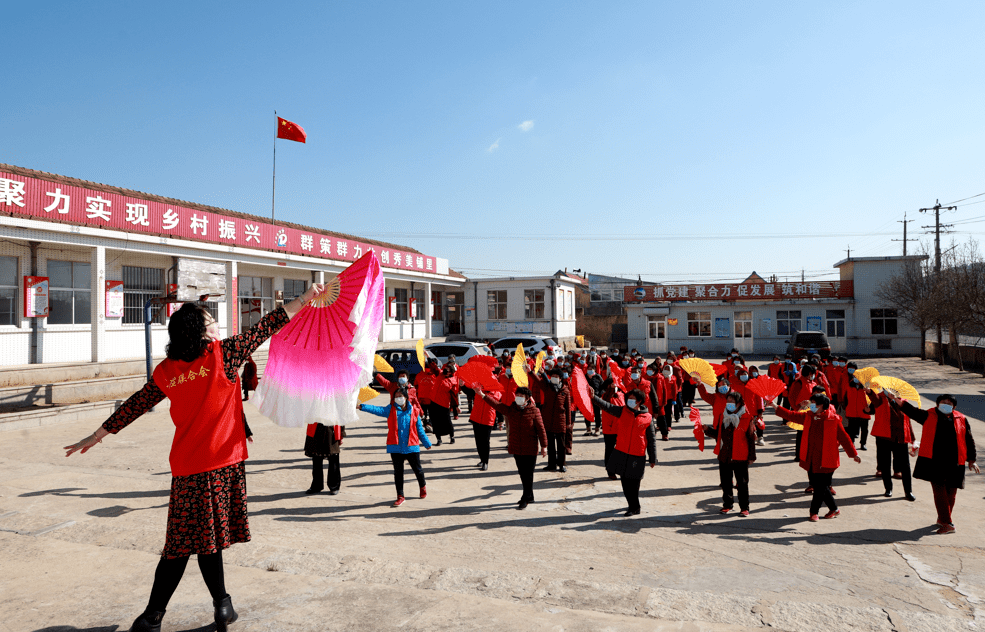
point(207, 512)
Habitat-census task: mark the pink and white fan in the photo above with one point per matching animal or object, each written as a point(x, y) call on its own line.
point(319, 360)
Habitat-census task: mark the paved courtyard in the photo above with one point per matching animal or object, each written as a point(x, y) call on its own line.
point(80, 538)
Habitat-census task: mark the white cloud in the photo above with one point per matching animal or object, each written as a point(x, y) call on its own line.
point(494, 146)
point(526, 126)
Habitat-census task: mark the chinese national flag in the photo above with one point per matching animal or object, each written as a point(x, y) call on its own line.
point(290, 131)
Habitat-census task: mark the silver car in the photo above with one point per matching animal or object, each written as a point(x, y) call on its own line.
point(461, 350)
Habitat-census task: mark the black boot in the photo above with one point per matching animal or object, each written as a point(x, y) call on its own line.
point(317, 475)
point(148, 622)
point(224, 613)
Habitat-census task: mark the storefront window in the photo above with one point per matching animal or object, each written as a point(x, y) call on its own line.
point(699, 324)
point(70, 295)
point(294, 288)
point(256, 299)
point(139, 286)
point(835, 319)
point(496, 302)
point(8, 290)
point(883, 322)
point(787, 322)
point(401, 303)
point(533, 304)
point(420, 307)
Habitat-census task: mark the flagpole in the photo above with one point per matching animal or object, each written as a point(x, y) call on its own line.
point(273, 197)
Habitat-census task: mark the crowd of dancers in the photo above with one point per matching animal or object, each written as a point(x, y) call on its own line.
point(633, 402)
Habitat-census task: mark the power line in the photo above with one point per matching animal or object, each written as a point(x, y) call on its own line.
point(963, 199)
point(623, 237)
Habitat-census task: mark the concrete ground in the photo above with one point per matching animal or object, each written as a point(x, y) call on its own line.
point(80, 538)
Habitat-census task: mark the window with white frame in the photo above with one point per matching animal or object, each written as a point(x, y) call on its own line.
point(884, 322)
point(835, 320)
point(8, 290)
point(533, 304)
point(139, 286)
point(256, 300)
point(400, 294)
point(419, 305)
point(294, 288)
point(787, 322)
point(69, 292)
point(496, 303)
point(699, 324)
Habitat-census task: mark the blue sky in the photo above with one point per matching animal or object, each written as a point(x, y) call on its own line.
point(681, 141)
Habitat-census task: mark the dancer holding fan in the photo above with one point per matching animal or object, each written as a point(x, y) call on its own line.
point(207, 508)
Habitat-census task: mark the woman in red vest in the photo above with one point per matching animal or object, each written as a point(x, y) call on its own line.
point(893, 433)
point(610, 427)
point(483, 418)
point(818, 454)
point(946, 445)
point(636, 440)
point(444, 394)
point(735, 444)
point(207, 509)
point(856, 405)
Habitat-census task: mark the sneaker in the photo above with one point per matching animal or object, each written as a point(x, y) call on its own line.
point(760, 441)
point(483, 467)
point(832, 514)
point(862, 448)
point(832, 490)
point(813, 518)
point(398, 502)
point(898, 475)
point(910, 497)
point(889, 493)
point(744, 513)
point(724, 510)
point(562, 469)
point(424, 492)
point(945, 529)
point(809, 490)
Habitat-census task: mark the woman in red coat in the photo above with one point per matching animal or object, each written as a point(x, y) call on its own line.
point(556, 411)
point(856, 407)
point(823, 432)
point(636, 440)
point(946, 445)
point(524, 431)
point(735, 445)
point(444, 394)
point(483, 418)
point(893, 433)
point(207, 508)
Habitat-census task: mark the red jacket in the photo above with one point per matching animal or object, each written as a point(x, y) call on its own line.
point(930, 428)
point(425, 386)
point(483, 412)
point(444, 391)
point(609, 421)
point(775, 370)
point(509, 387)
point(636, 434)
point(743, 439)
point(855, 403)
point(556, 409)
point(716, 400)
point(834, 434)
point(882, 426)
point(800, 390)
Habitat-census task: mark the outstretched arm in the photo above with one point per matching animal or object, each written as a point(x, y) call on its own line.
point(137, 404)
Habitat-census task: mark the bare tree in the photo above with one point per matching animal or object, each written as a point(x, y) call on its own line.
point(912, 293)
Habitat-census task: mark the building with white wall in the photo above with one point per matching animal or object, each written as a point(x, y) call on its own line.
point(545, 306)
point(758, 317)
point(91, 245)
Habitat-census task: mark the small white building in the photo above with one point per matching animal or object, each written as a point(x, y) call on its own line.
point(758, 317)
point(545, 306)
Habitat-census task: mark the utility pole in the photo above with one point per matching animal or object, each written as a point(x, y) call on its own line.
point(904, 222)
point(936, 208)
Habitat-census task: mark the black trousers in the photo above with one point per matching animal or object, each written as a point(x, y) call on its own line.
point(687, 393)
point(669, 412)
point(893, 457)
point(598, 418)
point(469, 396)
point(741, 471)
point(414, 459)
point(168, 576)
point(857, 425)
point(662, 425)
point(631, 489)
point(555, 449)
point(822, 491)
point(334, 476)
point(525, 464)
point(482, 433)
point(610, 445)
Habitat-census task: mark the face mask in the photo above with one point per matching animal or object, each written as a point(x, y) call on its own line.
point(754, 375)
point(744, 378)
point(649, 372)
point(737, 363)
point(589, 373)
point(400, 401)
point(730, 407)
point(592, 355)
point(509, 372)
point(690, 355)
point(402, 380)
point(723, 389)
point(854, 380)
point(520, 401)
point(947, 409)
point(813, 407)
point(565, 375)
point(851, 371)
point(625, 362)
point(634, 376)
point(555, 381)
point(734, 354)
point(631, 403)
point(776, 362)
point(668, 373)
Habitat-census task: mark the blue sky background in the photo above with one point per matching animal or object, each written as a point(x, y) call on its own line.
point(681, 141)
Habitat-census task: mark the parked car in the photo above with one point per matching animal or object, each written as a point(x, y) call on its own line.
point(806, 343)
point(461, 350)
point(532, 345)
point(402, 359)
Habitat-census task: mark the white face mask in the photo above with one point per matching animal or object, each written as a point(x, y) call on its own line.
point(589, 373)
point(400, 401)
point(634, 376)
point(631, 403)
point(402, 380)
point(520, 400)
point(649, 371)
point(668, 373)
point(947, 409)
point(744, 378)
point(555, 381)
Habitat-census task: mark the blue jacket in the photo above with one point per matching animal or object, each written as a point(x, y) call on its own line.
point(405, 430)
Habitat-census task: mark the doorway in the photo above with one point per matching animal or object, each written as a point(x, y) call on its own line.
point(743, 332)
point(656, 339)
